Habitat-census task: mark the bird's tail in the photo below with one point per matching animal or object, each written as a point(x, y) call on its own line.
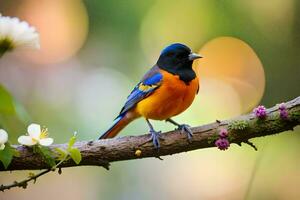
point(119, 123)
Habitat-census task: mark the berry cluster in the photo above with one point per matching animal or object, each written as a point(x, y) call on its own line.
point(260, 112)
point(283, 111)
point(222, 143)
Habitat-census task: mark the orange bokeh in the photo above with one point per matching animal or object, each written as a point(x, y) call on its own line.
point(233, 61)
point(63, 27)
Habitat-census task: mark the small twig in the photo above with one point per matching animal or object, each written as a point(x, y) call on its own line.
point(24, 183)
point(159, 158)
point(251, 144)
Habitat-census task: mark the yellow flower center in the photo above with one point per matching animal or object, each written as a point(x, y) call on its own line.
point(44, 133)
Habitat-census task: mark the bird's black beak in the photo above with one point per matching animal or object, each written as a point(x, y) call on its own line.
point(194, 56)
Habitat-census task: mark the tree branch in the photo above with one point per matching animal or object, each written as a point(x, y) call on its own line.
point(102, 152)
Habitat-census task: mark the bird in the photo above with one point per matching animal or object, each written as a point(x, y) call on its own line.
point(165, 91)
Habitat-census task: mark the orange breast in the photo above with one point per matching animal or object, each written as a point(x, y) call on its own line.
point(170, 99)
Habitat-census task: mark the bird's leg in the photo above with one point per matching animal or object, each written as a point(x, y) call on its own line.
point(185, 128)
point(155, 135)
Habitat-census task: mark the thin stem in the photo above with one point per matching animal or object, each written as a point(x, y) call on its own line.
point(33, 178)
point(23, 183)
point(253, 173)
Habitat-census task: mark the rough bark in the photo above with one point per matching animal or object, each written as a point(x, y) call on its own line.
point(103, 152)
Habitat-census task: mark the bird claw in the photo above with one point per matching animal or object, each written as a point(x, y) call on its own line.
point(155, 136)
point(184, 128)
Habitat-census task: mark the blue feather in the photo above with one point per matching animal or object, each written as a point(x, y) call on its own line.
point(152, 79)
point(156, 78)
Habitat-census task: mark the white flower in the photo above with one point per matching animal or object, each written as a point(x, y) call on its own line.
point(3, 138)
point(16, 34)
point(36, 135)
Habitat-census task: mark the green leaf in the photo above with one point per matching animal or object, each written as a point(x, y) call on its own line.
point(71, 142)
point(6, 102)
point(75, 155)
point(62, 154)
point(13, 115)
point(7, 154)
point(46, 154)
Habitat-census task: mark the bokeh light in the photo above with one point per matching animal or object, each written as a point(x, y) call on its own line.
point(63, 27)
point(233, 61)
point(214, 95)
point(159, 29)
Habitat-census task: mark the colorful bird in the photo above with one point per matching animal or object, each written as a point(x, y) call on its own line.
point(166, 90)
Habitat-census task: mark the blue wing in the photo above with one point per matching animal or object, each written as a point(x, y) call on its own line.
point(150, 82)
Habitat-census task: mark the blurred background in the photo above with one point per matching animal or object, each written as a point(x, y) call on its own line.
point(94, 52)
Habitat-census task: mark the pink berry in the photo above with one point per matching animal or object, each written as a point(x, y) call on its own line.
point(222, 143)
point(260, 112)
point(223, 133)
point(283, 111)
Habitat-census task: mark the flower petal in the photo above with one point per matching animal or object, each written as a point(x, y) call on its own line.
point(34, 130)
point(2, 146)
point(20, 34)
point(26, 140)
point(3, 136)
point(46, 141)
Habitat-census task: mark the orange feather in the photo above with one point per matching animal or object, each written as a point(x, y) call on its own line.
point(170, 99)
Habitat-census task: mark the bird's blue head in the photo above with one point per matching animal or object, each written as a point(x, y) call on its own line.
point(176, 47)
point(177, 56)
point(177, 59)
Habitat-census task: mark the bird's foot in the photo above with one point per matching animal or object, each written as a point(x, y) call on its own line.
point(185, 128)
point(155, 137)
